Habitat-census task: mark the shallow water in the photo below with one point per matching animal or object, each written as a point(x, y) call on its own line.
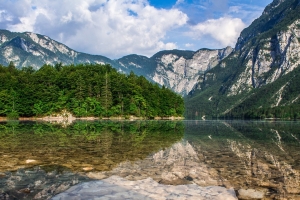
point(41, 159)
point(262, 155)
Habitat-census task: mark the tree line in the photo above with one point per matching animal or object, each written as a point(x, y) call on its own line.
point(84, 90)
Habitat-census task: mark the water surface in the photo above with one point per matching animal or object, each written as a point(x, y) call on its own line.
point(259, 155)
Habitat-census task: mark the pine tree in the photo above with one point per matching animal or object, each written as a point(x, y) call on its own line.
point(106, 95)
point(80, 88)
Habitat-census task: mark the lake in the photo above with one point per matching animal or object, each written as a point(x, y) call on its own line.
point(253, 158)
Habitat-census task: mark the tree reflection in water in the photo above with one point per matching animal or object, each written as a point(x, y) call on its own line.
point(84, 145)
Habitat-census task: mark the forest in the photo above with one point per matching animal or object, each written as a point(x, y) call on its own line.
point(213, 101)
point(85, 90)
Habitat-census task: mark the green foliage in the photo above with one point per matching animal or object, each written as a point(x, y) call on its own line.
point(106, 94)
point(13, 115)
point(84, 90)
point(259, 103)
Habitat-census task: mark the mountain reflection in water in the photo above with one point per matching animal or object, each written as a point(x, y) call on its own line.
point(253, 157)
point(264, 156)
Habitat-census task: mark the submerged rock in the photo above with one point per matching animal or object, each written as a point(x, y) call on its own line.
point(37, 183)
point(250, 194)
point(177, 165)
point(119, 188)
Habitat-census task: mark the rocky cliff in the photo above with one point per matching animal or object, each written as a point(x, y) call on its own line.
point(261, 72)
point(180, 73)
point(270, 47)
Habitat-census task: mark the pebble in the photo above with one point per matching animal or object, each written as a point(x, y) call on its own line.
point(250, 194)
point(30, 161)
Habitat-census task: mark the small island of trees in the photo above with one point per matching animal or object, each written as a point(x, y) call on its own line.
point(85, 90)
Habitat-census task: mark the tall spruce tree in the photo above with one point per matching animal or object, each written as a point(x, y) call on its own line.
point(106, 94)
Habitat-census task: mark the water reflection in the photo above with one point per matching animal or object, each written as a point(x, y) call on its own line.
point(257, 159)
point(83, 146)
point(264, 156)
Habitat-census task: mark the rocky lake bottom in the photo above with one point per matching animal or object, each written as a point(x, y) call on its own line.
point(150, 160)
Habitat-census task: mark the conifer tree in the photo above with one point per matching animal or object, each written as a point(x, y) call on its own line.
point(106, 95)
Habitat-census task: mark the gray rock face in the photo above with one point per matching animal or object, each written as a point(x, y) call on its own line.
point(30, 49)
point(175, 69)
point(181, 74)
point(272, 58)
point(269, 47)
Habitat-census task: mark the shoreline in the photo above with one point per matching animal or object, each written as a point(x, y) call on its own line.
point(61, 119)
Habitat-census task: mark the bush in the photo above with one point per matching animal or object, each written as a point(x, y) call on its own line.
point(13, 115)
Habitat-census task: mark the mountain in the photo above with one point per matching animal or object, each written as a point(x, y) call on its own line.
point(30, 49)
point(260, 78)
point(254, 79)
point(140, 65)
point(176, 69)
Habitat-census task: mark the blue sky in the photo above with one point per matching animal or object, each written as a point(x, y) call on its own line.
point(115, 28)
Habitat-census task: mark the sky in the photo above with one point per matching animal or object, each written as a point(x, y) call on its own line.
point(115, 28)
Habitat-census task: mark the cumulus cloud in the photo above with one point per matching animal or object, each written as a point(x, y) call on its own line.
point(224, 30)
point(106, 27)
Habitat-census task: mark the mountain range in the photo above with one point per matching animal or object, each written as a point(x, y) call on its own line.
point(176, 69)
point(256, 78)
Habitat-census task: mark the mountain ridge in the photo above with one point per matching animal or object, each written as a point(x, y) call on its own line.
point(267, 53)
point(175, 69)
point(30, 49)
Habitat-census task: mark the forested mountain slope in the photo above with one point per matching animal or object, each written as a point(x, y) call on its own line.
point(260, 75)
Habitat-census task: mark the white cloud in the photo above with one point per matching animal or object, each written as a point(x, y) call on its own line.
point(169, 46)
point(67, 18)
point(188, 45)
point(27, 22)
point(234, 9)
point(224, 30)
point(106, 27)
point(179, 2)
point(4, 16)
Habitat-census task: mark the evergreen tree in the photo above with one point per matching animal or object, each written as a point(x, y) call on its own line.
point(106, 95)
point(84, 90)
